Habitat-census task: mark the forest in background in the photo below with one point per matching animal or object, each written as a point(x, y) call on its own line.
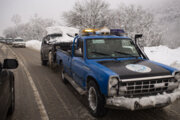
point(159, 26)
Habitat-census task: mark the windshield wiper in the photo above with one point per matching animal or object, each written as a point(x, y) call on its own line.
point(99, 53)
point(122, 53)
point(129, 55)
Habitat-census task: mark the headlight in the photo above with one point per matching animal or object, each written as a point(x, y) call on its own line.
point(177, 76)
point(113, 86)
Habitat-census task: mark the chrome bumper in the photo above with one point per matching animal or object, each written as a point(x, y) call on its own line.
point(143, 102)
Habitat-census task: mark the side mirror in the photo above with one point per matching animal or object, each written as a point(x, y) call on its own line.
point(137, 36)
point(10, 64)
point(76, 34)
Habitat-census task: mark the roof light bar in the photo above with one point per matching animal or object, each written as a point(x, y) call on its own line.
point(118, 32)
point(102, 31)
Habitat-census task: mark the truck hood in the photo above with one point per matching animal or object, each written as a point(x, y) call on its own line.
point(135, 68)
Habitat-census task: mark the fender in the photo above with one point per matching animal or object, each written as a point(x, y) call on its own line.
point(101, 79)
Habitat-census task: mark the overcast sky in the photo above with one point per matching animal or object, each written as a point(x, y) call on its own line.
point(48, 8)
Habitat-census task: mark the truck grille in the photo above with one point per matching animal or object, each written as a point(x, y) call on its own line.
point(147, 87)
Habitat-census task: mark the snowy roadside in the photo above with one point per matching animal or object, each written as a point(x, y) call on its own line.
point(160, 54)
point(34, 44)
point(164, 55)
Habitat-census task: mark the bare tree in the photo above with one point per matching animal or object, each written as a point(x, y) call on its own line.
point(133, 19)
point(16, 19)
point(88, 14)
point(34, 29)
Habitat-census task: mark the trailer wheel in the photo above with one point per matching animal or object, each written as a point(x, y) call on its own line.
point(50, 60)
point(61, 69)
point(44, 62)
point(95, 100)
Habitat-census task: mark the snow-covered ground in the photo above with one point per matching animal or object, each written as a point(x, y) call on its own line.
point(164, 55)
point(160, 54)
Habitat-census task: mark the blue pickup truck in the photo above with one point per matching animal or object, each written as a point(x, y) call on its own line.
point(115, 73)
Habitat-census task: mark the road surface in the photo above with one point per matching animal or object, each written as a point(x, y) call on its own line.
point(40, 95)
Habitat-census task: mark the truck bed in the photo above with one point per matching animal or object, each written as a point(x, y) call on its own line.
point(65, 46)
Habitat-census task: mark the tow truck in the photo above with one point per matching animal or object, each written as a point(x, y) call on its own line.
point(113, 71)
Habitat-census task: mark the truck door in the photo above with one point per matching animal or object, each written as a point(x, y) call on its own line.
point(78, 64)
point(4, 91)
point(67, 63)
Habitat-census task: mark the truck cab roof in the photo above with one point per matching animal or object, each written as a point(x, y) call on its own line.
point(103, 36)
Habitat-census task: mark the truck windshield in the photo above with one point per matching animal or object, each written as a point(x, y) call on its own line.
point(110, 48)
point(56, 37)
point(19, 40)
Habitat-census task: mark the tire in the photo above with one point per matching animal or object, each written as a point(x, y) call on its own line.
point(50, 60)
point(12, 105)
point(61, 73)
point(43, 62)
point(96, 101)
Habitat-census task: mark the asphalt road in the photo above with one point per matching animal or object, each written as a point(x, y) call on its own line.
point(40, 94)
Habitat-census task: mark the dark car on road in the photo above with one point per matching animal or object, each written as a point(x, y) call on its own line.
point(47, 47)
point(7, 88)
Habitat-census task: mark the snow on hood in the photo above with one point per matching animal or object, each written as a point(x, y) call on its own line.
point(34, 44)
point(68, 33)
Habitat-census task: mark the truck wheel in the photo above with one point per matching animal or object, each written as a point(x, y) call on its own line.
point(50, 60)
point(96, 100)
point(44, 62)
point(61, 69)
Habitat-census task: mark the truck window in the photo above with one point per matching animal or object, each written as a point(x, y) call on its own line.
point(46, 40)
point(19, 40)
point(79, 49)
point(55, 37)
point(111, 48)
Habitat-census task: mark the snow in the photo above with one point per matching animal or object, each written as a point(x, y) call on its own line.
point(164, 55)
point(34, 44)
point(68, 33)
point(144, 102)
point(104, 29)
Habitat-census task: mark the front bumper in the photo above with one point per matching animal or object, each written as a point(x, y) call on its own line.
point(160, 100)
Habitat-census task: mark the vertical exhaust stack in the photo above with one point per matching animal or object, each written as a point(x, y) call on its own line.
point(137, 36)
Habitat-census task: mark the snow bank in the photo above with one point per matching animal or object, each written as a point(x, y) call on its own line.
point(68, 33)
point(34, 44)
point(163, 54)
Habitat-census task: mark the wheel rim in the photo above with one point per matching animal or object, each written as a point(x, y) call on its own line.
point(92, 97)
